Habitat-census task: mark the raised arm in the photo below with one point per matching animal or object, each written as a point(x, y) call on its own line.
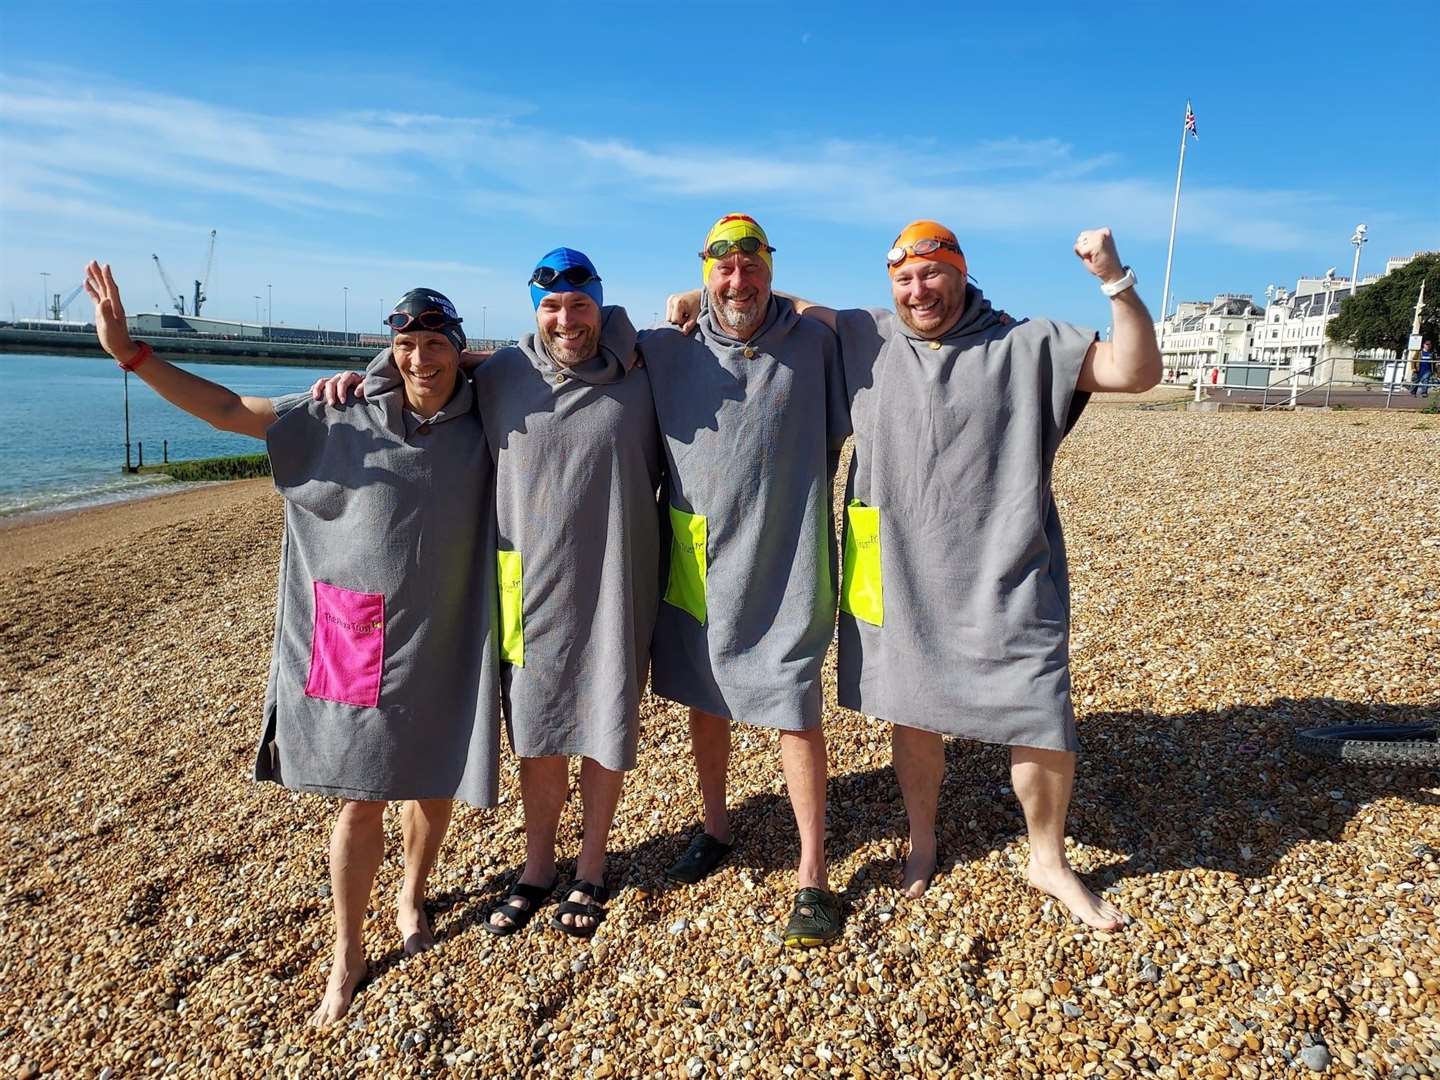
point(1130, 361)
point(682, 310)
point(211, 402)
point(813, 310)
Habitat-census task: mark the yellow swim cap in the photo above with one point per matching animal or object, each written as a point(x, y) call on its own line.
point(731, 229)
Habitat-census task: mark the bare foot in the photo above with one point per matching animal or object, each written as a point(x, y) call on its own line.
point(580, 922)
point(414, 925)
point(346, 975)
point(1065, 885)
point(916, 874)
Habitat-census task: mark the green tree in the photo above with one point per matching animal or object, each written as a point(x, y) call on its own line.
point(1379, 315)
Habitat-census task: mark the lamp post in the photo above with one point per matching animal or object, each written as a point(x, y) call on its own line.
point(44, 291)
point(483, 336)
point(1358, 239)
point(257, 309)
point(269, 305)
point(347, 314)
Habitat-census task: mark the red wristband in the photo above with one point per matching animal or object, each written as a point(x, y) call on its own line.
point(139, 358)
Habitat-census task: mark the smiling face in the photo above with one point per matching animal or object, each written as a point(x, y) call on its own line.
point(429, 366)
point(739, 288)
point(929, 296)
point(569, 327)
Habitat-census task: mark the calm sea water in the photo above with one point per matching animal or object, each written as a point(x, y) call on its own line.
point(62, 428)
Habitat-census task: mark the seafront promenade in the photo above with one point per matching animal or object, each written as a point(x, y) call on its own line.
point(1237, 576)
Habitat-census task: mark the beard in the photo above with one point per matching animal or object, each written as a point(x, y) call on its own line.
point(949, 312)
point(572, 351)
point(742, 317)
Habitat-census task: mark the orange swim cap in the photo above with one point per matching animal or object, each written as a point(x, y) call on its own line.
point(946, 251)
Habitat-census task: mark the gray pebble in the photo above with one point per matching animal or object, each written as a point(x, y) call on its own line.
point(1316, 1057)
point(1072, 1010)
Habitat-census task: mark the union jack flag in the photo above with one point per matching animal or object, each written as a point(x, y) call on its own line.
point(1190, 122)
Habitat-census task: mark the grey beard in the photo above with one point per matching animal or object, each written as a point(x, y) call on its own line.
point(740, 320)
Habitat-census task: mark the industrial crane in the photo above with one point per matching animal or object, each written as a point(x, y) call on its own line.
point(57, 308)
point(177, 299)
point(204, 281)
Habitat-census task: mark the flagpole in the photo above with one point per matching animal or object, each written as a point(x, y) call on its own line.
point(1174, 216)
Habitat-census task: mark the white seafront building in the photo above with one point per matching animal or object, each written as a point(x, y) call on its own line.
point(1233, 341)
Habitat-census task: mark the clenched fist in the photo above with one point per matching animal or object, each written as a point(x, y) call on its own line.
point(1096, 249)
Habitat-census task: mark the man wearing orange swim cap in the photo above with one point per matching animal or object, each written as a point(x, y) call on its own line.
point(954, 598)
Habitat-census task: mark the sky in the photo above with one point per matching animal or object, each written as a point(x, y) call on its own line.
point(345, 153)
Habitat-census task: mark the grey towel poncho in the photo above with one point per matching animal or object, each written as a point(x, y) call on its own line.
point(577, 463)
point(383, 676)
point(752, 433)
point(955, 603)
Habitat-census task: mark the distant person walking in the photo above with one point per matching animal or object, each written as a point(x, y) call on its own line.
point(1425, 373)
point(384, 679)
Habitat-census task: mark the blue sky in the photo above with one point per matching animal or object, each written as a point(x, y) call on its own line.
point(382, 146)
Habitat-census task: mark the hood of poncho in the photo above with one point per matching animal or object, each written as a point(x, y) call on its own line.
point(779, 319)
point(977, 318)
point(615, 356)
point(384, 387)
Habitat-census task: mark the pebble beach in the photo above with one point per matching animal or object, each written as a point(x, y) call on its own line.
point(1236, 577)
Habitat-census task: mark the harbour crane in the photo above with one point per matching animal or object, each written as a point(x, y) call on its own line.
point(176, 298)
point(204, 282)
point(57, 308)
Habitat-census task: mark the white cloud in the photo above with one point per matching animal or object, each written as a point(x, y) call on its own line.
point(122, 153)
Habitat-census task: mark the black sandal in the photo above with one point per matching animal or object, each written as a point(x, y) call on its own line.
point(591, 909)
point(519, 917)
point(814, 920)
point(701, 858)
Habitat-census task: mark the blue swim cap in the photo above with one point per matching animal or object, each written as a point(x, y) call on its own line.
point(559, 262)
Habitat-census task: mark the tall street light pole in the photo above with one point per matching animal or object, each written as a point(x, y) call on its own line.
point(44, 292)
point(1358, 239)
point(269, 305)
point(347, 314)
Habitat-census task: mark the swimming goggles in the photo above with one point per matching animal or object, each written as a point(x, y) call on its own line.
point(400, 321)
point(545, 276)
point(920, 248)
point(718, 249)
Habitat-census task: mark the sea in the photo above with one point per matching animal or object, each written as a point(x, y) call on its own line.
point(62, 429)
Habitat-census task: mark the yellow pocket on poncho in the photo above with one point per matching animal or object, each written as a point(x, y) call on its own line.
point(862, 578)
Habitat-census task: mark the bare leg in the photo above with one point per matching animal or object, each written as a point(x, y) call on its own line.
point(802, 753)
point(1043, 780)
point(544, 785)
point(423, 824)
point(600, 793)
point(710, 743)
point(919, 758)
point(357, 844)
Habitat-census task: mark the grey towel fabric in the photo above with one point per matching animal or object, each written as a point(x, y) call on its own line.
point(752, 433)
point(956, 607)
point(384, 680)
point(577, 462)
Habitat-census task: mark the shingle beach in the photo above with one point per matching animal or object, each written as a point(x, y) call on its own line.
point(1236, 576)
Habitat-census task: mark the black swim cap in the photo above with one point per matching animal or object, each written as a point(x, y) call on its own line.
point(418, 301)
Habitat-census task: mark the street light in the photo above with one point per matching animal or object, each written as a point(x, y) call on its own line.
point(1358, 239)
point(483, 335)
point(257, 309)
point(44, 292)
point(347, 313)
point(269, 305)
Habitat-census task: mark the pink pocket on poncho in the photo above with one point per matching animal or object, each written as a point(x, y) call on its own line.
point(347, 650)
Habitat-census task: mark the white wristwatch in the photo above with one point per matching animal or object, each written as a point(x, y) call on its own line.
point(1114, 288)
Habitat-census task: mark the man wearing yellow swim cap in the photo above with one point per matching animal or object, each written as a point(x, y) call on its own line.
point(954, 599)
point(751, 406)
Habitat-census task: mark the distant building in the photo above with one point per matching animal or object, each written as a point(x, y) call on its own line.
point(1244, 340)
point(1203, 335)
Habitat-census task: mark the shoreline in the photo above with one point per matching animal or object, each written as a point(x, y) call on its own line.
point(43, 536)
